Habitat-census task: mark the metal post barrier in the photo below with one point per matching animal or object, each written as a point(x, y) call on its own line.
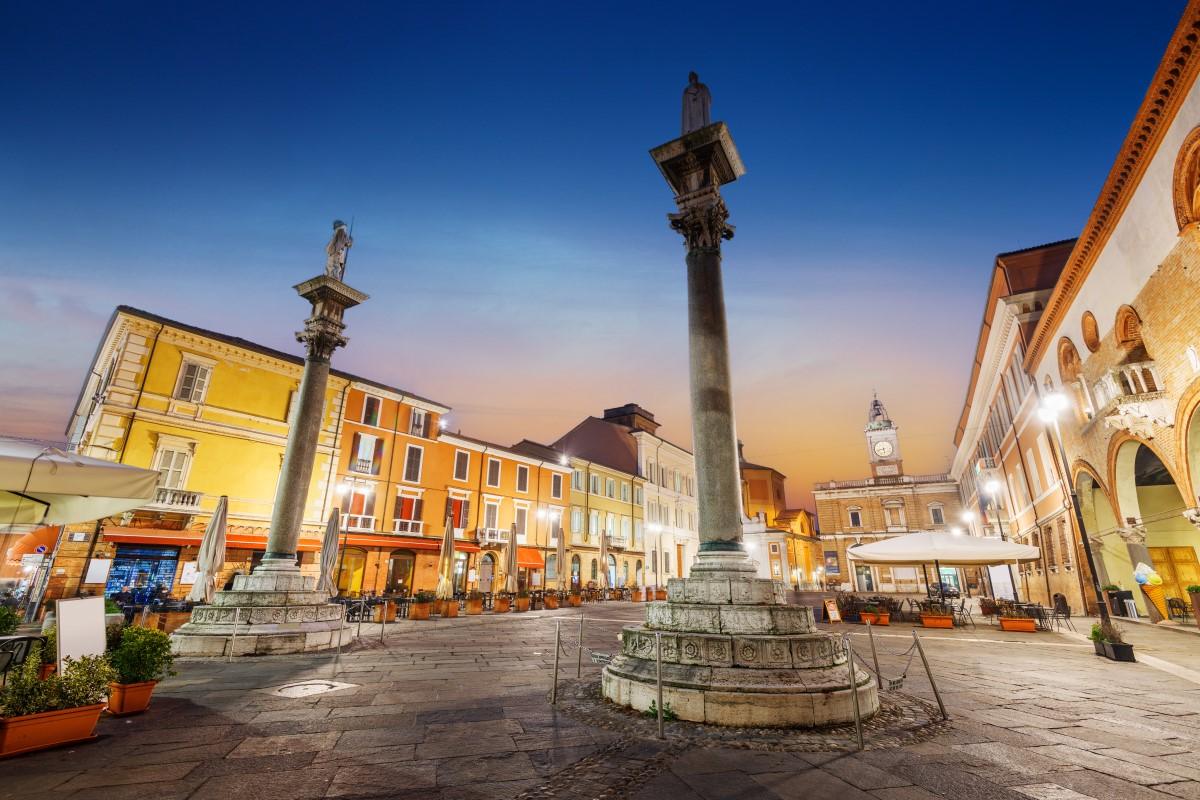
point(383, 623)
point(853, 690)
point(557, 644)
point(233, 636)
point(658, 680)
point(362, 610)
point(579, 653)
point(875, 655)
point(929, 672)
point(341, 628)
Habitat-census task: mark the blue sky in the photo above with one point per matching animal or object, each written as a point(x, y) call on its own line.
point(510, 225)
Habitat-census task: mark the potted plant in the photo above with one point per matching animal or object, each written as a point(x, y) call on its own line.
point(501, 604)
point(1113, 643)
point(421, 605)
point(1097, 637)
point(1194, 595)
point(876, 615)
point(660, 594)
point(141, 659)
point(113, 615)
point(989, 607)
point(474, 603)
point(550, 600)
point(523, 600)
point(1012, 621)
point(448, 608)
point(574, 599)
point(8, 621)
point(36, 714)
point(936, 619)
point(49, 652)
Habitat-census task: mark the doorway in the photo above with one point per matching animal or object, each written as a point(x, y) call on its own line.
point(400, 571)
point(487, 569)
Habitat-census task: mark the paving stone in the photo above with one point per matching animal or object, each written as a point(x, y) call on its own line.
point(283, 745)
point(1050, 791)
point(811, 785)
point(1126, 770)
point(297, 784)
point(485, 767)
point(118, 775)
point(1189, 790)
point(859, 773)
point(382, 778)
point(1016, 759)
point(904, 793)
point(662, 786)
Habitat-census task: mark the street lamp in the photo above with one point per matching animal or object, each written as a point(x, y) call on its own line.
point(1052, 405)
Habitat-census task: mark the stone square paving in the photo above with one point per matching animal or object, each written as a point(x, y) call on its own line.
point(458, 709)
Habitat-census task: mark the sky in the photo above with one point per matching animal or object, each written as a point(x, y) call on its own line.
point(509, 224)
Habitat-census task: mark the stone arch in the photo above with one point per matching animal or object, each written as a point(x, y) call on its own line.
point(1186, 181)
point(1128, 329)
point(1070, 366)
point(1091, 331)
point(1122, 455)
point(1187, 457)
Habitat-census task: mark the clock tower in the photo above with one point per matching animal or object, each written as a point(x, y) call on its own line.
point(883, 442)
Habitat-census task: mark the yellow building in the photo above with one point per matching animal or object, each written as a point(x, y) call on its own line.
point(783, 540)
point(607, 502)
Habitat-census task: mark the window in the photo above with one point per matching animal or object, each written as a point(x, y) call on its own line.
point(678, 478)
point(555, 525)
point(520, 518)
point(626, 528)
point(370, 414)
point(1047, 460)
point(937, 514)
point(418, 423)
point(625, 492)
point(551, 567)
point(1034, 479)
point(193, 381)
point(1193, 359)
point(408, 513)
point(637, 533)
point(576, 520)
point(595, 570)
point(577, 480)
point(666, 562)
point(654, 561)
point(855, 518)
point(462, 463)
point(491, 514)
point(366, 454)
point(360, 508)
point(593, 523)
point(412, 464)
point(610, 488)
point(610, 526)
point(172, 467)
point(556, 481)
point(650, 471)
point(594, 484)
point(493, 472)
point(522, 478)
point(458, 509)
point(637, 495)
point(893, 513)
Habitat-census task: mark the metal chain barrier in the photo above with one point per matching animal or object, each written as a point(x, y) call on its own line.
point(895, 684)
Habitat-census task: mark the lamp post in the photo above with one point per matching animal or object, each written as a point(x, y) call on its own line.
point(1051, 407)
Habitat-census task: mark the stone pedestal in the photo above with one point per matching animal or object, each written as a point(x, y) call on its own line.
point(266, 612)
point(734, 653)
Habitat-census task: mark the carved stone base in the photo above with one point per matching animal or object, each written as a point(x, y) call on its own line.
point(267, 612)
point(733, 653)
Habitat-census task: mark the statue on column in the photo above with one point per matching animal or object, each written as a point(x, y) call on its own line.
point(697, 105)
point(337, 249)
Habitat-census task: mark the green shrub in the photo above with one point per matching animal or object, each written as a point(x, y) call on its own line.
point(8, 620)
point(111, 606)
point(1111, 587)
point(424, 597)
point(1097, 634)
point(668, 714)
point(1194, 588)
point(142, 654)
point(50, 649)
point(523, 593)
point(475, 596)
point(84, 682)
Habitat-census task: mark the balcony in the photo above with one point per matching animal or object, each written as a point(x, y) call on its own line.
point(176, 500)
point(1131, 398)
point(358, 522)
point(492, 536)
point(364, 466)
point(618, 542)
point(408, 526)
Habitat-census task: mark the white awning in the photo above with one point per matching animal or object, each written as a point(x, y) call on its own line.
point(43, 485)
point(946, 548)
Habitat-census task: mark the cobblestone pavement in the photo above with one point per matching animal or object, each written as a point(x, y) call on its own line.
point(458, 709)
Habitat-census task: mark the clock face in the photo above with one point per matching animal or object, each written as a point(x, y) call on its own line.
point(883, 449)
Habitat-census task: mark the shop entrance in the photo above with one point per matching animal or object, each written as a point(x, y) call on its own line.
point(142, 568)
point(487, 568)
point(400, 571)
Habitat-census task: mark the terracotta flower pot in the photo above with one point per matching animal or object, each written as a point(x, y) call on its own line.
point(574, 600)
point(1021, 624)
point(48, 729)
point(419, 610)
point(636, 595)
point(449, 609)
point(129, 698)
point(522, 604)
point(378, 612)
point(550, 601)
point(876, 617)
point(937, 621)
point(474, 607)
point(660, 594)
point(46, 670)
point(502, 605)
point(1195, 598)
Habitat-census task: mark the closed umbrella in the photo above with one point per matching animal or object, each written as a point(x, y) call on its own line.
point(603, 560)
point(564, 573)
point(43, 485)
point(510, 568)
point(329, 554)
point(211, 556)
point(445, 587)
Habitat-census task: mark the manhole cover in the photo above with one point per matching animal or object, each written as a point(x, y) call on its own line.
point(308, 688)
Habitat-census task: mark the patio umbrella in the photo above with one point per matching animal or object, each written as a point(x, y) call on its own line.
point(603, 560)
point(211, 556)
point(445, 587)
point(942, 548)
point(329, 554)
point(564, 573)
point(43, 485)
point(510, 568)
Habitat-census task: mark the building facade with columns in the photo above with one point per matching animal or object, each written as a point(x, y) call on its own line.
point(887, 504)
point(1004, 461)
point(782, 540)
point(1120, 337)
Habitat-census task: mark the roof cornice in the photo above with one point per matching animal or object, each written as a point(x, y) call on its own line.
point(1176, 73)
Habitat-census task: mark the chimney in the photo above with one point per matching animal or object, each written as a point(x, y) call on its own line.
point(631, 415)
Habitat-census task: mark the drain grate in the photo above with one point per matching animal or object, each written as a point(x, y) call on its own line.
point(308, 688)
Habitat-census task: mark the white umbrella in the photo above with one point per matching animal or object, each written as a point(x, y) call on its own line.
point(946, 548)
point(445, 588)
point(329, 554)
point(212, 555)
point(43, 485)
point(603, 560)
point(510, 568)
point(564, 572)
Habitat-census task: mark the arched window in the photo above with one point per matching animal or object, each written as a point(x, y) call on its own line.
point(400, 572)
point(1186, 183)
point(575, 570)
point(625, 573)
point(1193, 359)
point(637, 573)
point(595, 569)
point(1129, 333)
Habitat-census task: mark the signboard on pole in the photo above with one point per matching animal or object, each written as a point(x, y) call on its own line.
point(80, 628)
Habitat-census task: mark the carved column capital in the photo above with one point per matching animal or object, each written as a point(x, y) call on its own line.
point(703, 225)
point(321, 336)
point(1135, 534)
point(1192, 515)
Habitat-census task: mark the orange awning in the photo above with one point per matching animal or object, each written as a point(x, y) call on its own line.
point(29, 543)
point(406, 542)
point(530, 557)
point(192, 539)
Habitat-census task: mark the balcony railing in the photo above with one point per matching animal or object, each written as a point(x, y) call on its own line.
point(358, 522)
point(364, 465)
point(884, 481)
point(493, 536)
point(176, 500)
point(407, 526)
point(618, 542)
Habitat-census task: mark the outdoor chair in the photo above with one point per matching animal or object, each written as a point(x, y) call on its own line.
point(1061, 613)
point(962, 614)
point(13, 652)
point(1177, 609)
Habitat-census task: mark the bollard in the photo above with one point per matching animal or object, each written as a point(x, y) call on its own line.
point(937, 695)
point(340, 629)
point(362, 609)
point(557, 642)
point(875, 655)
point(853, 690)
point(658, 680)
point(579, 653)
point(383, 623)
point(233, 636)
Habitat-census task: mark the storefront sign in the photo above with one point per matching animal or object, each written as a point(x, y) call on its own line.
point(831, 611)
point(188, 576)
point(80, 628)
point(97, 571)
point(831, 563)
